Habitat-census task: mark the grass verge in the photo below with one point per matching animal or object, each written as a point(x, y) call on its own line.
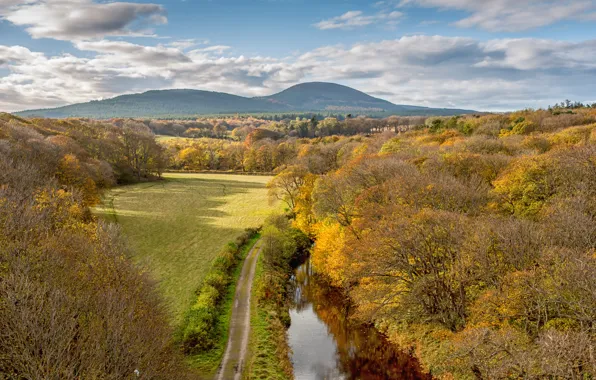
point(269, 351)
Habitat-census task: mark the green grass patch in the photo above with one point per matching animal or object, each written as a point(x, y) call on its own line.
point(269, 355)
point(178, 226)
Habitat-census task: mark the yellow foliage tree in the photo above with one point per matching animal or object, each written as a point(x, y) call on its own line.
point(328, 255)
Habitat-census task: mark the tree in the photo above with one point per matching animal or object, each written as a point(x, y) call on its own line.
point(142, 154)
point(72, 304)
point(285, 186)
point(219, 130)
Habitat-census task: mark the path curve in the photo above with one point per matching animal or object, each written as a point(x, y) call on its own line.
point(233, 361)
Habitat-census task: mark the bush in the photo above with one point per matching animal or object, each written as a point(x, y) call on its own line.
point(573, 136)
point(485, 145)
point(539, 144)
point(217, 279)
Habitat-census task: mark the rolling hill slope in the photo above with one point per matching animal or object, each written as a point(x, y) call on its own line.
point(306, 97)
point(160, 103)
point(333, 97)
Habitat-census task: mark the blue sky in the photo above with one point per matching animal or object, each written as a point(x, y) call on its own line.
point(489, 55)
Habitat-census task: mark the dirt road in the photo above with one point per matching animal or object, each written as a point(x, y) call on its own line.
point(235, 355)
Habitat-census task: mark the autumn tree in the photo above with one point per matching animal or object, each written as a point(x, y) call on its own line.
point(285, 186)
point(141, 152)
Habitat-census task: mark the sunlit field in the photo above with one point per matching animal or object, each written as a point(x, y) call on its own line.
point(177, 226)
point(163, 138)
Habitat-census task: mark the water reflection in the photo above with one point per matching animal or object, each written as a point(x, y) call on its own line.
point(326, 345)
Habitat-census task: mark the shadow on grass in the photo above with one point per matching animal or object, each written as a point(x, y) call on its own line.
point(176, 227)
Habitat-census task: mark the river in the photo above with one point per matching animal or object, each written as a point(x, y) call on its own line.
point(326, 345)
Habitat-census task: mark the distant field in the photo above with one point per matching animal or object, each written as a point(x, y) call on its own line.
point(163, 138)
point(177, 226)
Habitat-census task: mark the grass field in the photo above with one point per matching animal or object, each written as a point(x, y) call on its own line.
point(177, 226)
point(164, 138)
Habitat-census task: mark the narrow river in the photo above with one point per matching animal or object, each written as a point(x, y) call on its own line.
point(326, 346)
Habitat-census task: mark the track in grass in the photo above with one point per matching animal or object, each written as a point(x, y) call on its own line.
point(177, 226)
point(235, 355)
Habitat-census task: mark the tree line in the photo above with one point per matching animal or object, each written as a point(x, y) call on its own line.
point(470, 241)
point(72, 304)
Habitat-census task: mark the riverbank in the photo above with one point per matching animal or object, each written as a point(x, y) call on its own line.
point(269, 349)
point(327, 343)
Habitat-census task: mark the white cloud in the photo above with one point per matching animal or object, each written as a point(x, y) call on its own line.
point(355, 19)
point(184, 44)
point(15, 54)
point(125, 53)
point(75, 20)
point(423, 70)
point(220, 49)
point(535, 54)
point(513, 15)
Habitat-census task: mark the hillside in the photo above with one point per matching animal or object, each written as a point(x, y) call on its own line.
point(327, 96)
point(160, 103)
point(333, 97)
point(306, 97)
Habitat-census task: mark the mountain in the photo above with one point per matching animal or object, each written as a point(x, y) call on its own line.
point(334, 97)
point(327, 96)
point(305, 97)
point(160, 103)
point(321, 96)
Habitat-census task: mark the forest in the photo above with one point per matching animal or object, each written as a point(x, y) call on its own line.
point(469, 241)
point(72, 304)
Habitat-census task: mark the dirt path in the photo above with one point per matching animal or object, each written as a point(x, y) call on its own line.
point(234, 357)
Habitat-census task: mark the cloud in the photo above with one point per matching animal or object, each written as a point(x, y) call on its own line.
point(356, 19)
point(184, 44)
point(220, 49)
point(75, 20)
point(513, 15)
point(15, 54)
point(125, 52)
point(542, 55)
point(433, 71)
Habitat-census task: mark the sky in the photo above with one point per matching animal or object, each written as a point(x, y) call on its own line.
point(489, 55)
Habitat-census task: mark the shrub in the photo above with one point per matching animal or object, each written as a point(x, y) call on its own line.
point(485, 145)
point(539, 144)
point(573, 136)
point(489, 128)
point(217, 279)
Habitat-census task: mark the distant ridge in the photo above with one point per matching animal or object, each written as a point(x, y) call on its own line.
point(305, 97)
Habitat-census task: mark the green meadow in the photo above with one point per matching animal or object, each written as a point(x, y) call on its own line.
point(177, 226)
